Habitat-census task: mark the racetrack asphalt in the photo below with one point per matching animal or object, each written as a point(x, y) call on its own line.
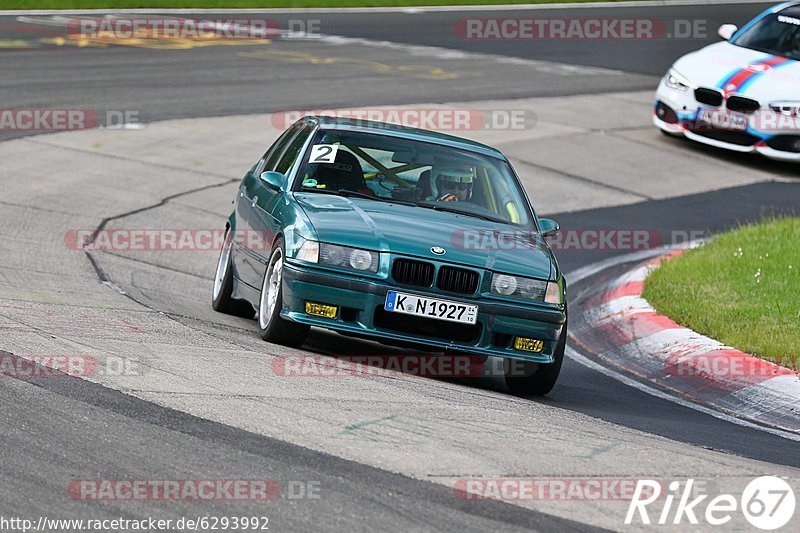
point(42, 68)
point(60, 429)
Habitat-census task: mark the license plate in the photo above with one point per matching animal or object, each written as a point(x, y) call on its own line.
point(722, 119)
point(411, 304)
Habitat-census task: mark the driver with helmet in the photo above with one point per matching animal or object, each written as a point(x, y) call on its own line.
point(452, 184)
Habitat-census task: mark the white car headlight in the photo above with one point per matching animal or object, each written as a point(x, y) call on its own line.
point(346, 257)
point(790, 109)
point(673, 80)
point(505, 285)
point(362, 260)
point(527, 288)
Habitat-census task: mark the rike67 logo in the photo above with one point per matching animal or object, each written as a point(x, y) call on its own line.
point(767, 503)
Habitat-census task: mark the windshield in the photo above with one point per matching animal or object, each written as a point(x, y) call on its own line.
point(417, 173)
point(777, 34)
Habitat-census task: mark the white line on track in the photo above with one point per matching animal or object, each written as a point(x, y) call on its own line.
point(590, 270)
point(439, 52)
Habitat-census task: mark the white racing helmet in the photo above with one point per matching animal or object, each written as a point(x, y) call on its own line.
point(453, 175)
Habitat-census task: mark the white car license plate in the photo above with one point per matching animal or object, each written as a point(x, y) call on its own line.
point(722, 119)
point(410, 304)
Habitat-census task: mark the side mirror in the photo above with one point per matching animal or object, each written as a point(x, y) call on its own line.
point(548, 227)
point(273, 180)
point(726, 31)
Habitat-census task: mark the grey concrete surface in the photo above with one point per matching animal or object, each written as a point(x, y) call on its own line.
point(208, 365)
point(316, 491)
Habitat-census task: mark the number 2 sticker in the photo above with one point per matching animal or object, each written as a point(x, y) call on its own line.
point(323, 153)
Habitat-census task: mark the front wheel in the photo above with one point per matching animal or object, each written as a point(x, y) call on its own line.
point(271, 326)
point(534, 379)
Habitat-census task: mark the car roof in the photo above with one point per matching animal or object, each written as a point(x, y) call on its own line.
point(785, 5)
point(404, 132)
point(792, 10)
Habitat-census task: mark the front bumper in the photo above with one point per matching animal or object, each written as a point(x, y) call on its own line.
point(675, 112)
point(361, 302)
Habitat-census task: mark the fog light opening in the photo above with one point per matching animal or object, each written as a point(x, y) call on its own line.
point(323, 310)
point(528, 345)
point(666, 113)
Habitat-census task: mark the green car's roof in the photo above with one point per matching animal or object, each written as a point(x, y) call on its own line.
point(394, 130)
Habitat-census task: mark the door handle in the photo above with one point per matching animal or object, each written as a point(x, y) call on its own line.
point(255, 200)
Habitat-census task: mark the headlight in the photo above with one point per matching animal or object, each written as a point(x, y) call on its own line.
point(790, 109)
point(346, 257)
point(505, 285)
point(528, 288)
point(673, 80)
point(309, 251)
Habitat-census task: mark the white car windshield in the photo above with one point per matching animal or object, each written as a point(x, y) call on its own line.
point(777, 34)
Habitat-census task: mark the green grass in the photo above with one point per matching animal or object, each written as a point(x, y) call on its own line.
point(742, 289)
point(204, 4)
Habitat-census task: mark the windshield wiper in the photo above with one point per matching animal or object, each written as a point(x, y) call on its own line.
point(358, 194)
point(439, 207)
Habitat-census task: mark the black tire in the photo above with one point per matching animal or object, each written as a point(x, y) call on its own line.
point(274, 328)
point(221, 294)
point(534, 379)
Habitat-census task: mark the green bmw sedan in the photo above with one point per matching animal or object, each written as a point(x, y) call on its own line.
point(399, 235)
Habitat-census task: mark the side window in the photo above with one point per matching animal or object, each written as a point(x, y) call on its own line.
point(293, 150)
point(271, 157)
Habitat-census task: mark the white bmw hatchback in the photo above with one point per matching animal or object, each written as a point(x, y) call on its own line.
point(742, 94)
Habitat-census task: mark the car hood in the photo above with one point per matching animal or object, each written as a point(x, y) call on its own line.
point(739, 70)
point(410, 230)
